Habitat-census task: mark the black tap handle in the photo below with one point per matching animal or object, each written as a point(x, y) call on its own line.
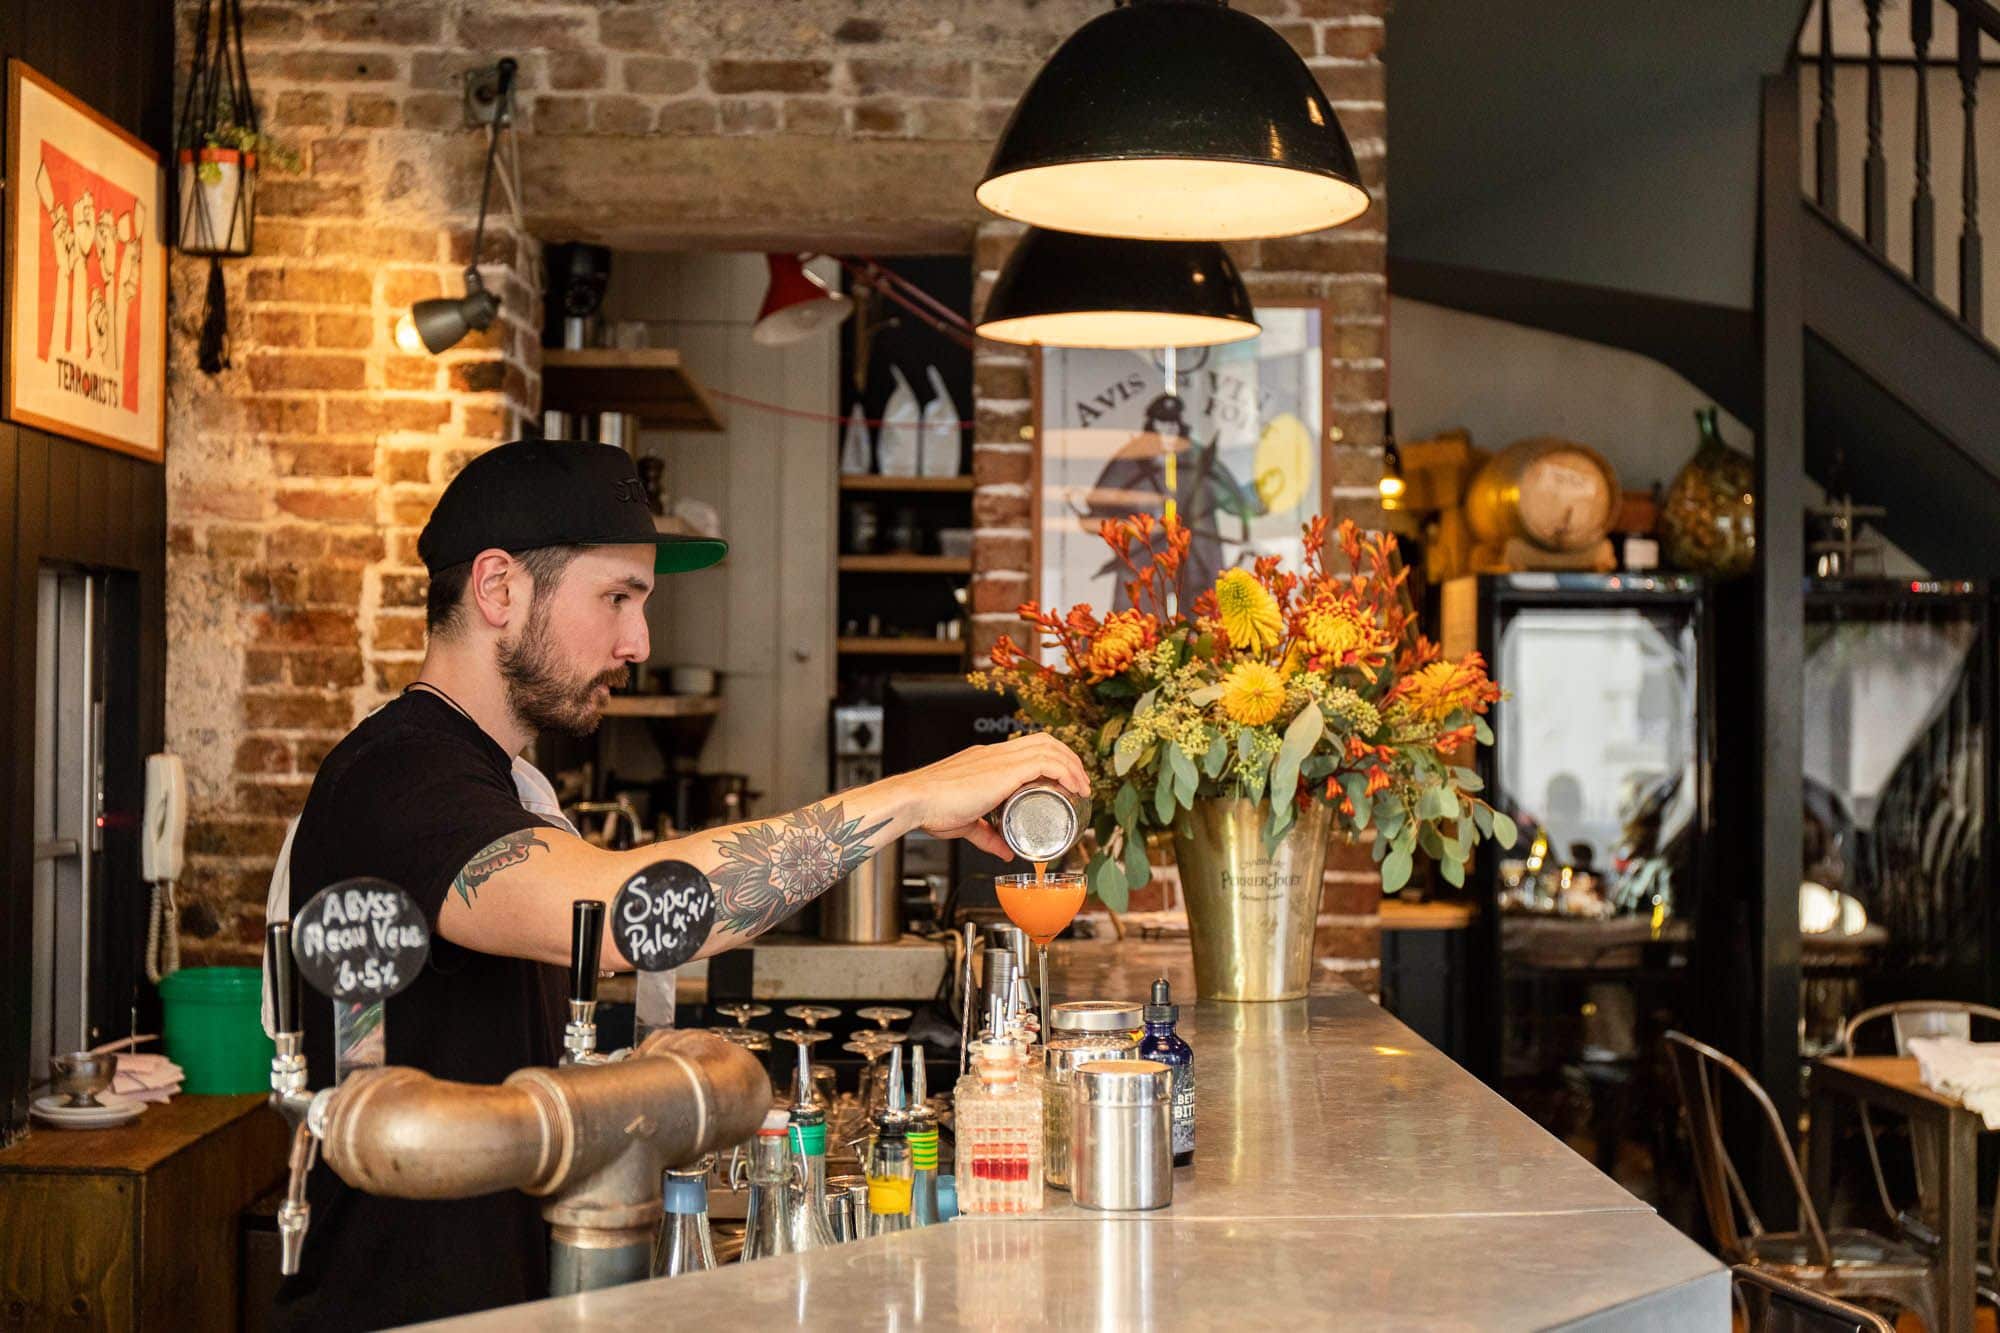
point(284, 976)
point(586, 943)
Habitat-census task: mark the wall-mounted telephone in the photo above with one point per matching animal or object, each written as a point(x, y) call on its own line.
point(161, 839)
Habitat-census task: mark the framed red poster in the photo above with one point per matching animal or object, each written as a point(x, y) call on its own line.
point(86, 307)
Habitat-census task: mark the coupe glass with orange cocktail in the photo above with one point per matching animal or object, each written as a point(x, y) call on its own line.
point(1041, 904)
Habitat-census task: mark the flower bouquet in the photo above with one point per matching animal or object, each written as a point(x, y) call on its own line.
point(1307, 697)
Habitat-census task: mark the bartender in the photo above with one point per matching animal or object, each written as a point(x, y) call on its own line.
point(541, 556)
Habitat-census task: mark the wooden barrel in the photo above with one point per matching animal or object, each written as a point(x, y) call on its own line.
point(1554, 494)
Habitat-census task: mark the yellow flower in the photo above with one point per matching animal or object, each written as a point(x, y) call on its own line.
point(1249, 613)
point(1252, 693)
point(1124, 636)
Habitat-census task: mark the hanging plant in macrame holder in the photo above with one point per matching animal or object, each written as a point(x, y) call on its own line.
point(219, 150)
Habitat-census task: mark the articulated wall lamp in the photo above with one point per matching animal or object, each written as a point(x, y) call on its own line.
point(438, 324)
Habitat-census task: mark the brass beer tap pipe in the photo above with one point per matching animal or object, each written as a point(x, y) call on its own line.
point(592, 1139)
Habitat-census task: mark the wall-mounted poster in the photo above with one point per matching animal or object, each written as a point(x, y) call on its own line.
point(86, 273)
point(1230, 433)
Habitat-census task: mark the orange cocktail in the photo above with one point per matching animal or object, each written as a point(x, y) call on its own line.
point(1041, 904)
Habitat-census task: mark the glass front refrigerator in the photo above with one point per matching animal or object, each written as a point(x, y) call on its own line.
point(1585, 948)
point(1898, 698)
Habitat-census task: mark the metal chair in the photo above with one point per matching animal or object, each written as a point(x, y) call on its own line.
point(1850, 1264)
point(1924, 1018)
point(1770, 1304)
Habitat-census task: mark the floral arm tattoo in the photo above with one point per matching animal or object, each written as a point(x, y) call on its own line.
point(769, 870)
point(493, 858)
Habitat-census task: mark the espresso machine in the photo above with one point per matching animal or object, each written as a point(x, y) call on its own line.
point(592, 1136)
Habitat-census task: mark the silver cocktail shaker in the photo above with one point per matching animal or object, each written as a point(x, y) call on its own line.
point(1120, 1134)
point(1041, 822)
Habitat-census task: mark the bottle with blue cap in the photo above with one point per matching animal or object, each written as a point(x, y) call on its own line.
point(1163, 1044)
point(684, 1244)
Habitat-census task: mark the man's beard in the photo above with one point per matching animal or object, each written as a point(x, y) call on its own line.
point(540, 692)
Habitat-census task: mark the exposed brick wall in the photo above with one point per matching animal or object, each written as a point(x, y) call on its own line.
point(299, 478)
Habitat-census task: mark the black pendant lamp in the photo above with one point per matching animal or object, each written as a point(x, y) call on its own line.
point(1175, 120)
point(1061, 289)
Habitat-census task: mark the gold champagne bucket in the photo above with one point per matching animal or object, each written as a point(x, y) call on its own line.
point(1251, 911)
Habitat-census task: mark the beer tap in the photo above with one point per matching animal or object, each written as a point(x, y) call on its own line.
point(290, 1096)
point(586, 941)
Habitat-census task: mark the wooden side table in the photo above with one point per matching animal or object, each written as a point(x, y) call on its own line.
point(1893, 1083)
point(135, 1227)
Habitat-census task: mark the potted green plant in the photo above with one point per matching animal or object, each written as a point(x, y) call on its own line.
point(218, 185)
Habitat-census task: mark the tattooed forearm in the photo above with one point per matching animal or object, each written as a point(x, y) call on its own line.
point(770, 870)
point(493, 858)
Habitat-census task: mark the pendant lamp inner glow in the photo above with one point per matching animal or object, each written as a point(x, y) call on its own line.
point(1175, 120)
point(1174, 199)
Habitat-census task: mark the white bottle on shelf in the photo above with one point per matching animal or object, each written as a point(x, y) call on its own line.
point(938, 450)
point(897, 442)
point(856, 457)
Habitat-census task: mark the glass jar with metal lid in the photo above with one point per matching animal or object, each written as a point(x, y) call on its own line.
point(1082, 1018)
point(1060, 1057)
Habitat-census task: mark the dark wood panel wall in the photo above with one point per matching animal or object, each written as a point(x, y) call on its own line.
point(69, 503)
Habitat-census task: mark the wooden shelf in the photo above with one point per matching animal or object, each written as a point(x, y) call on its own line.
point(906, 564)
point(876, 483)
point(662, 705)
point(649, 382)
point(912, 647)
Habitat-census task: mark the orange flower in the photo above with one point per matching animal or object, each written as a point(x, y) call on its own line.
point(1442, 688)
point(1005, 654)
point(1378, 779)
point(1125, 635)
point(1342, 633)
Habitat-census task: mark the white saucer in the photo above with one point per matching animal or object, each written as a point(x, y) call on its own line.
point(109, 1113)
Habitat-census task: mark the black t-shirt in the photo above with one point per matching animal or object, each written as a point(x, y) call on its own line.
point(411, 795)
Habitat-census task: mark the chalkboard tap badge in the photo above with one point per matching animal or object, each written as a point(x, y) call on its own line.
point(662, 916)
point(360, 940)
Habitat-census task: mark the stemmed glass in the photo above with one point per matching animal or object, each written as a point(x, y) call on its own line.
point(812, 1015)
point(1042, 904)
point(808, 1038)
point(743, 1011)
point(882, 1015)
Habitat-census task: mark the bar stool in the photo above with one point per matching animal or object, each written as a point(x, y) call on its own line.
point(1847, 1263)
point(1768, 1303)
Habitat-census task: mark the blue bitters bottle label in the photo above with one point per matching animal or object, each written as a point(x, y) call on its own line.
point(1183, 1122)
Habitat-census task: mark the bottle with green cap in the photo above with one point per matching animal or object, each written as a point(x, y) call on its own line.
point(811, 1229)
point(1163, 1044)
point(923, 1136)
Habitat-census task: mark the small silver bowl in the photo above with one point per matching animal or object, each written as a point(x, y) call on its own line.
point(81, 1075)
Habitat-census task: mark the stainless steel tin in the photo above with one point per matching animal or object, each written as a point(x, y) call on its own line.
point(1121, 1149)
point(1059, 1060)
point(1081, 1016)
point(1040, 822)
point(843, 1194)
point(864, 908)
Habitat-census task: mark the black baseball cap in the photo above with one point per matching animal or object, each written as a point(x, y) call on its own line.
point(535, 493)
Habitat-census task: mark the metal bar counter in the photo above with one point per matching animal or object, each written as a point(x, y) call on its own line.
point(1346, 1175)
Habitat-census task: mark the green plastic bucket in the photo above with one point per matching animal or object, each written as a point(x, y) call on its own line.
point(215, 1029)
